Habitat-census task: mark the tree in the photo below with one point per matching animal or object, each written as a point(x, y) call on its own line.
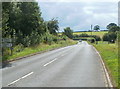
point(52, 26)
point(114, 29)
point(31, 19)
point(97, 27)
point(68, 32)
point(110, 37)
point(23, 19)
point(8, 18)
point(97, 38)
point(111, 25)
point(105, 37)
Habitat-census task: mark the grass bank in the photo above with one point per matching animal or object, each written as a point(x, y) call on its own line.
point(109, 53)
point(40, 48)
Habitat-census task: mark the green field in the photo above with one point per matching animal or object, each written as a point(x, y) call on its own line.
point(93, 33)
point(109, 53)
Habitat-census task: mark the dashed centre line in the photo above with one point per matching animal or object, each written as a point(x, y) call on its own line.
point(20, 78)
point(50, 62)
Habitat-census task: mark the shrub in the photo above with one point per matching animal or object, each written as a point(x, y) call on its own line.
point(105, 37)
point(35, 38)
point(84, 35)
point(64, 37)
point(110, 37)
point(26, 41)
point(55, 39)
point(97, 38)
point(92, 40)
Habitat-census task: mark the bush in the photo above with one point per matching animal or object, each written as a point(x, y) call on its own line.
point(18, 48)
point(105, 37)
point(49, 38)
point(26, 41)
point(84, 35)
point(75, 36)
point(92, 40)
point(64, 37)
point(97, 38)
point(35, 38)
point(55, 39)
point(110, 37)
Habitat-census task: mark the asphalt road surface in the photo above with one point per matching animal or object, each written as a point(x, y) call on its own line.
point(73, 66)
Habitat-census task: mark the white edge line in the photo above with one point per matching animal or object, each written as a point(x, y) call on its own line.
point(20, 78)
point(106, 72)
point(50, 62)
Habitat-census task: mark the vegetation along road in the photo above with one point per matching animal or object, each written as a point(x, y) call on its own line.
point(65, 67)
point(26, 35)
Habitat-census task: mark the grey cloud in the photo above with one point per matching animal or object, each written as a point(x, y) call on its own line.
point(80, 15)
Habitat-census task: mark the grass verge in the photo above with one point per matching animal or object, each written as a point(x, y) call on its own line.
point(109, 53)
point(40, 48)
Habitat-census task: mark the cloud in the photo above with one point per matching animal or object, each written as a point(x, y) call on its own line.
point(80, 15)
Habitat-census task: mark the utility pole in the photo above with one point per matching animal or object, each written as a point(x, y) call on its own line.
point(91, 30)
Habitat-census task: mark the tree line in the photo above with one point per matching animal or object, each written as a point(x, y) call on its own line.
point(22, 21)
point(111, 36)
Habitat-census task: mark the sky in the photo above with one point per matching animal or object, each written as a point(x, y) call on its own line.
point(79, 15)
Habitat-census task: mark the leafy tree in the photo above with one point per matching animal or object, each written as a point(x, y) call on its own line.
point(68, 32)
point(97, 38)
point(105, 37)
point(22, 19)
point(8, 18)
point(52, 26)
point(111, 25)
point(110, 37)
point(114, 29)
point(31, 17)
point(97, 27)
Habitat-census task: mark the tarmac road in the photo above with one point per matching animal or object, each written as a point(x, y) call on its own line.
point(73, 66)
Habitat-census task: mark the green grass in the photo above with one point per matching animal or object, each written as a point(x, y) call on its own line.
point(93, 33)
point(39, 48)
point(109, 53)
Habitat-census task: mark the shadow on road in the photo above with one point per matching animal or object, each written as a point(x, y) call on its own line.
point(5, 64)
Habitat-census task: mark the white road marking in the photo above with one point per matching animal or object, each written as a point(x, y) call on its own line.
point(56, 58)
point(50, 62)
point(20, 78)
point(105, 70)
point(62, 54)
point(27, 75)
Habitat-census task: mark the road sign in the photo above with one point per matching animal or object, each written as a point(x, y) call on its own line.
point(7, 45)
point(7, 40)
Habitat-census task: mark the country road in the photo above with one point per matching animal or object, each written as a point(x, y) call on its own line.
point(73, 66)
